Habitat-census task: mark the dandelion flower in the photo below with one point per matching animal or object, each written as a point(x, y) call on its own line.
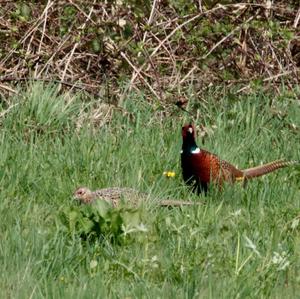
point(169, 174)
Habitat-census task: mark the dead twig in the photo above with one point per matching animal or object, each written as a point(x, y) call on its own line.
point(142, 78)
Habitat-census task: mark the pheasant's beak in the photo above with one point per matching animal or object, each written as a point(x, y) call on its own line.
point(75, 198)
point(190, 129)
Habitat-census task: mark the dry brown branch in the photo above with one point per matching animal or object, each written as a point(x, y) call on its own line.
point(297, 18)
point(8, 88)
point(8, 109)
point(142, 78)
point(88, 17)
point(48, 6)
point(187, 75)
point(225, 38)
point(83, 45)
point(134, 76)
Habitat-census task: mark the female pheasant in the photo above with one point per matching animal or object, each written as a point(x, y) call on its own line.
point(200, 167)
point(114, 195)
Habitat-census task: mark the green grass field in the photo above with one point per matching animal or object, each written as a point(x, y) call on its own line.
point(241, 243)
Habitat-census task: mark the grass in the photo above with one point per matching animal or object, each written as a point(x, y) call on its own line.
point(242, 243)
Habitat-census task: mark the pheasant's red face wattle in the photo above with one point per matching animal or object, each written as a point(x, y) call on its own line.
point(188, 130)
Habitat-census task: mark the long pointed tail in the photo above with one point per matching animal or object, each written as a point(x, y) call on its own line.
point(177, 203)
point(266, 168)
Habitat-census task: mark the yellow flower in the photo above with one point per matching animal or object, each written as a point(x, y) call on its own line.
point(169, 174)
point(240, 178)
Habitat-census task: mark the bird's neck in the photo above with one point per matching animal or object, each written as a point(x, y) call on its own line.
point(189, 146)
point(90, 197)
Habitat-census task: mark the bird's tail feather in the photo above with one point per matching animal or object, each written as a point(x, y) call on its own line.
point(177, 203)
point(266, 168)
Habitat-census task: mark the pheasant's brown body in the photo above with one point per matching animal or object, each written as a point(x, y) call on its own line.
point(200, 167)
point(206, 167)
point(114, 195)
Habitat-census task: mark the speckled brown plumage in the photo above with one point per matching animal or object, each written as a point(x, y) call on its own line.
point(200, 167)
point(114, 195)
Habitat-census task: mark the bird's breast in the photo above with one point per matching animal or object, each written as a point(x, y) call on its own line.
point(196, 165)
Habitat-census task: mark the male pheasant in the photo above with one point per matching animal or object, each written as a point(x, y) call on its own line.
point(114, 195)
point(200, 167)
